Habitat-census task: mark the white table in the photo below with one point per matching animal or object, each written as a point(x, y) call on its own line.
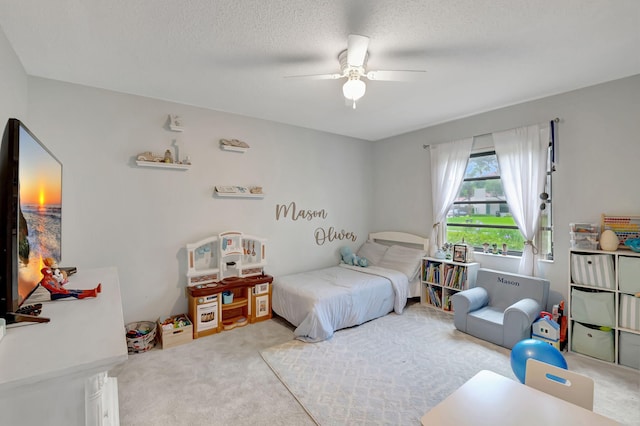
point(56, 373)
point(491, 399)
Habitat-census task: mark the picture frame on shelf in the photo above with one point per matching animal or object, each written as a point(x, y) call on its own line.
point(262, 306)
point(460, 253)
point(261, 288)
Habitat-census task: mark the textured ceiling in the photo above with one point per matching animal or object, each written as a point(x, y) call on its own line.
point(233, 55)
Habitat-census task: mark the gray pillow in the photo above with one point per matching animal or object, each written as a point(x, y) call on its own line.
point(403, 259)
point(372, 251)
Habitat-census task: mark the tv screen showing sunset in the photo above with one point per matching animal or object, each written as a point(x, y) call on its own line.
point(40, 215)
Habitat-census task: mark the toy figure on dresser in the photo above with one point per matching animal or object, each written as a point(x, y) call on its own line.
point(53, 280)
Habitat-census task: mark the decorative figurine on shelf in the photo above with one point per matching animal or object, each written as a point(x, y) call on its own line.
point(168, 157)
point(54, 280)
point(447, 250)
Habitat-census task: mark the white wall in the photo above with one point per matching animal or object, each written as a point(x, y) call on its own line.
point(13, 84)
point(597, 164)
point(140, 219)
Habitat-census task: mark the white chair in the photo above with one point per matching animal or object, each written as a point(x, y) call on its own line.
point(564, 384)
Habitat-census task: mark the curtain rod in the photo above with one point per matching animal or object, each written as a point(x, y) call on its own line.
point(555, 120)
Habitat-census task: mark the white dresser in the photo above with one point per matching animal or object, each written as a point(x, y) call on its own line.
point(56, 373)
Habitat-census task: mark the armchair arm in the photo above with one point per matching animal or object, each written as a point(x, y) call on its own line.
point(470, 300)
point(518, 319)
point(467, 301)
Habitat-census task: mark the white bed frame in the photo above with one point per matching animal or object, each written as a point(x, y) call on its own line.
point(303, 314)
point(400, 237)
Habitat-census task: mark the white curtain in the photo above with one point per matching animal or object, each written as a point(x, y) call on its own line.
point(522, 156)
point(448, 164)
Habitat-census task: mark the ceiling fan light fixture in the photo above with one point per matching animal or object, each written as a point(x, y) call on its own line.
point(354, 89)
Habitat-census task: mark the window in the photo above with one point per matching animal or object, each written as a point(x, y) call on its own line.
point(480, 215)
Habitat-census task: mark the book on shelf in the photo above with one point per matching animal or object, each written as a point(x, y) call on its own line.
point(432, 272)
point(446, 302)
point(434, 296)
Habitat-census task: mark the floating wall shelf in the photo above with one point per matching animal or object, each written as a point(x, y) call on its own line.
point(238, 191)
point(160, 165)
point(238, 195)
point(234, 145)
point(233, 148)
point(175, 123)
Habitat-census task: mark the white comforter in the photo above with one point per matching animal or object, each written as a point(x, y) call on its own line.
point(322, 301)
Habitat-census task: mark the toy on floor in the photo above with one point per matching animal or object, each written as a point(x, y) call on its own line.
point(546, 329)
point(350, 258)
point(538, 350)
point(54, 280)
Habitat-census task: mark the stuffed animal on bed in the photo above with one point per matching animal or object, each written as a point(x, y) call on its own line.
point(350, 258)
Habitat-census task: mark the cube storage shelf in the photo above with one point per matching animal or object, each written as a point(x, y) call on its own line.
point(442, 278)
point(604, 307)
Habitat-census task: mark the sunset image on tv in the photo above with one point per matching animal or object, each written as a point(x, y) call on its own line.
point(40, 215)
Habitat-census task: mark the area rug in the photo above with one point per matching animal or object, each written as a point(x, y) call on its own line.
point(389, 371)
point(392, 370)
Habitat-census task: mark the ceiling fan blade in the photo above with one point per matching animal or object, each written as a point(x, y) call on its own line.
point(357, 50)
point(396, 75)
point(316, 76)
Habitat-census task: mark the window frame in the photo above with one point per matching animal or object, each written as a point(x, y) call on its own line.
point(548, 205)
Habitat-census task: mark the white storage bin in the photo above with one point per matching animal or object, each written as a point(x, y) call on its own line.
point(629, 274)
point(584, 240)
point(593, 307)
point(629, 350)
point(580, 228)
point(593, 269)
point(629, 312)
point(593, 342)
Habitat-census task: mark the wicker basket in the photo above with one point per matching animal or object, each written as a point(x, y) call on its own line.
point(141, 336)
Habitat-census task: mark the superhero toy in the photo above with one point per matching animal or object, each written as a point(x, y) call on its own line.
point(53, 280)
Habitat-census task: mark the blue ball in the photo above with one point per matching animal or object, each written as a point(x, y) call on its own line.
point(538, 350)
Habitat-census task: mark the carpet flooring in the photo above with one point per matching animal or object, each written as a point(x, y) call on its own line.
point(217, 380)
point(387, 371)
point(392, 370)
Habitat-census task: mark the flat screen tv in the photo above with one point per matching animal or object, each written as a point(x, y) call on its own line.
point(30, 214)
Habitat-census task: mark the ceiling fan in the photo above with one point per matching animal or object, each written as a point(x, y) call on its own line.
point(353, 67)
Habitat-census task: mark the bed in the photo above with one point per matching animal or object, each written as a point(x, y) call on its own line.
point(322, 301)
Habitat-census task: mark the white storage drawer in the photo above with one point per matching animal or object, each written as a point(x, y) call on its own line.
point(593, 307)
point(593, 342)
point(629, 350)
point(629, 312)
point(629, 274)
point(593, 270)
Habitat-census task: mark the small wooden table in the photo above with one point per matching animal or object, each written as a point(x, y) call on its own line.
point(491, 399)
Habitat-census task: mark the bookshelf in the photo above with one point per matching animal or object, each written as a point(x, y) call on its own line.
point(442, 278)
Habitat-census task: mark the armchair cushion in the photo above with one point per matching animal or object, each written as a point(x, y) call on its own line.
point(501, 308)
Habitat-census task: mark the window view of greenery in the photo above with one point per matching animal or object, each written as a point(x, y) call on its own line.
point(480, 215)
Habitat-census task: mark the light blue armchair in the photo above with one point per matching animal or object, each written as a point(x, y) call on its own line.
point(501, 307)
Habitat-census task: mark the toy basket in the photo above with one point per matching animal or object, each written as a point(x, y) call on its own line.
point(141, 336)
